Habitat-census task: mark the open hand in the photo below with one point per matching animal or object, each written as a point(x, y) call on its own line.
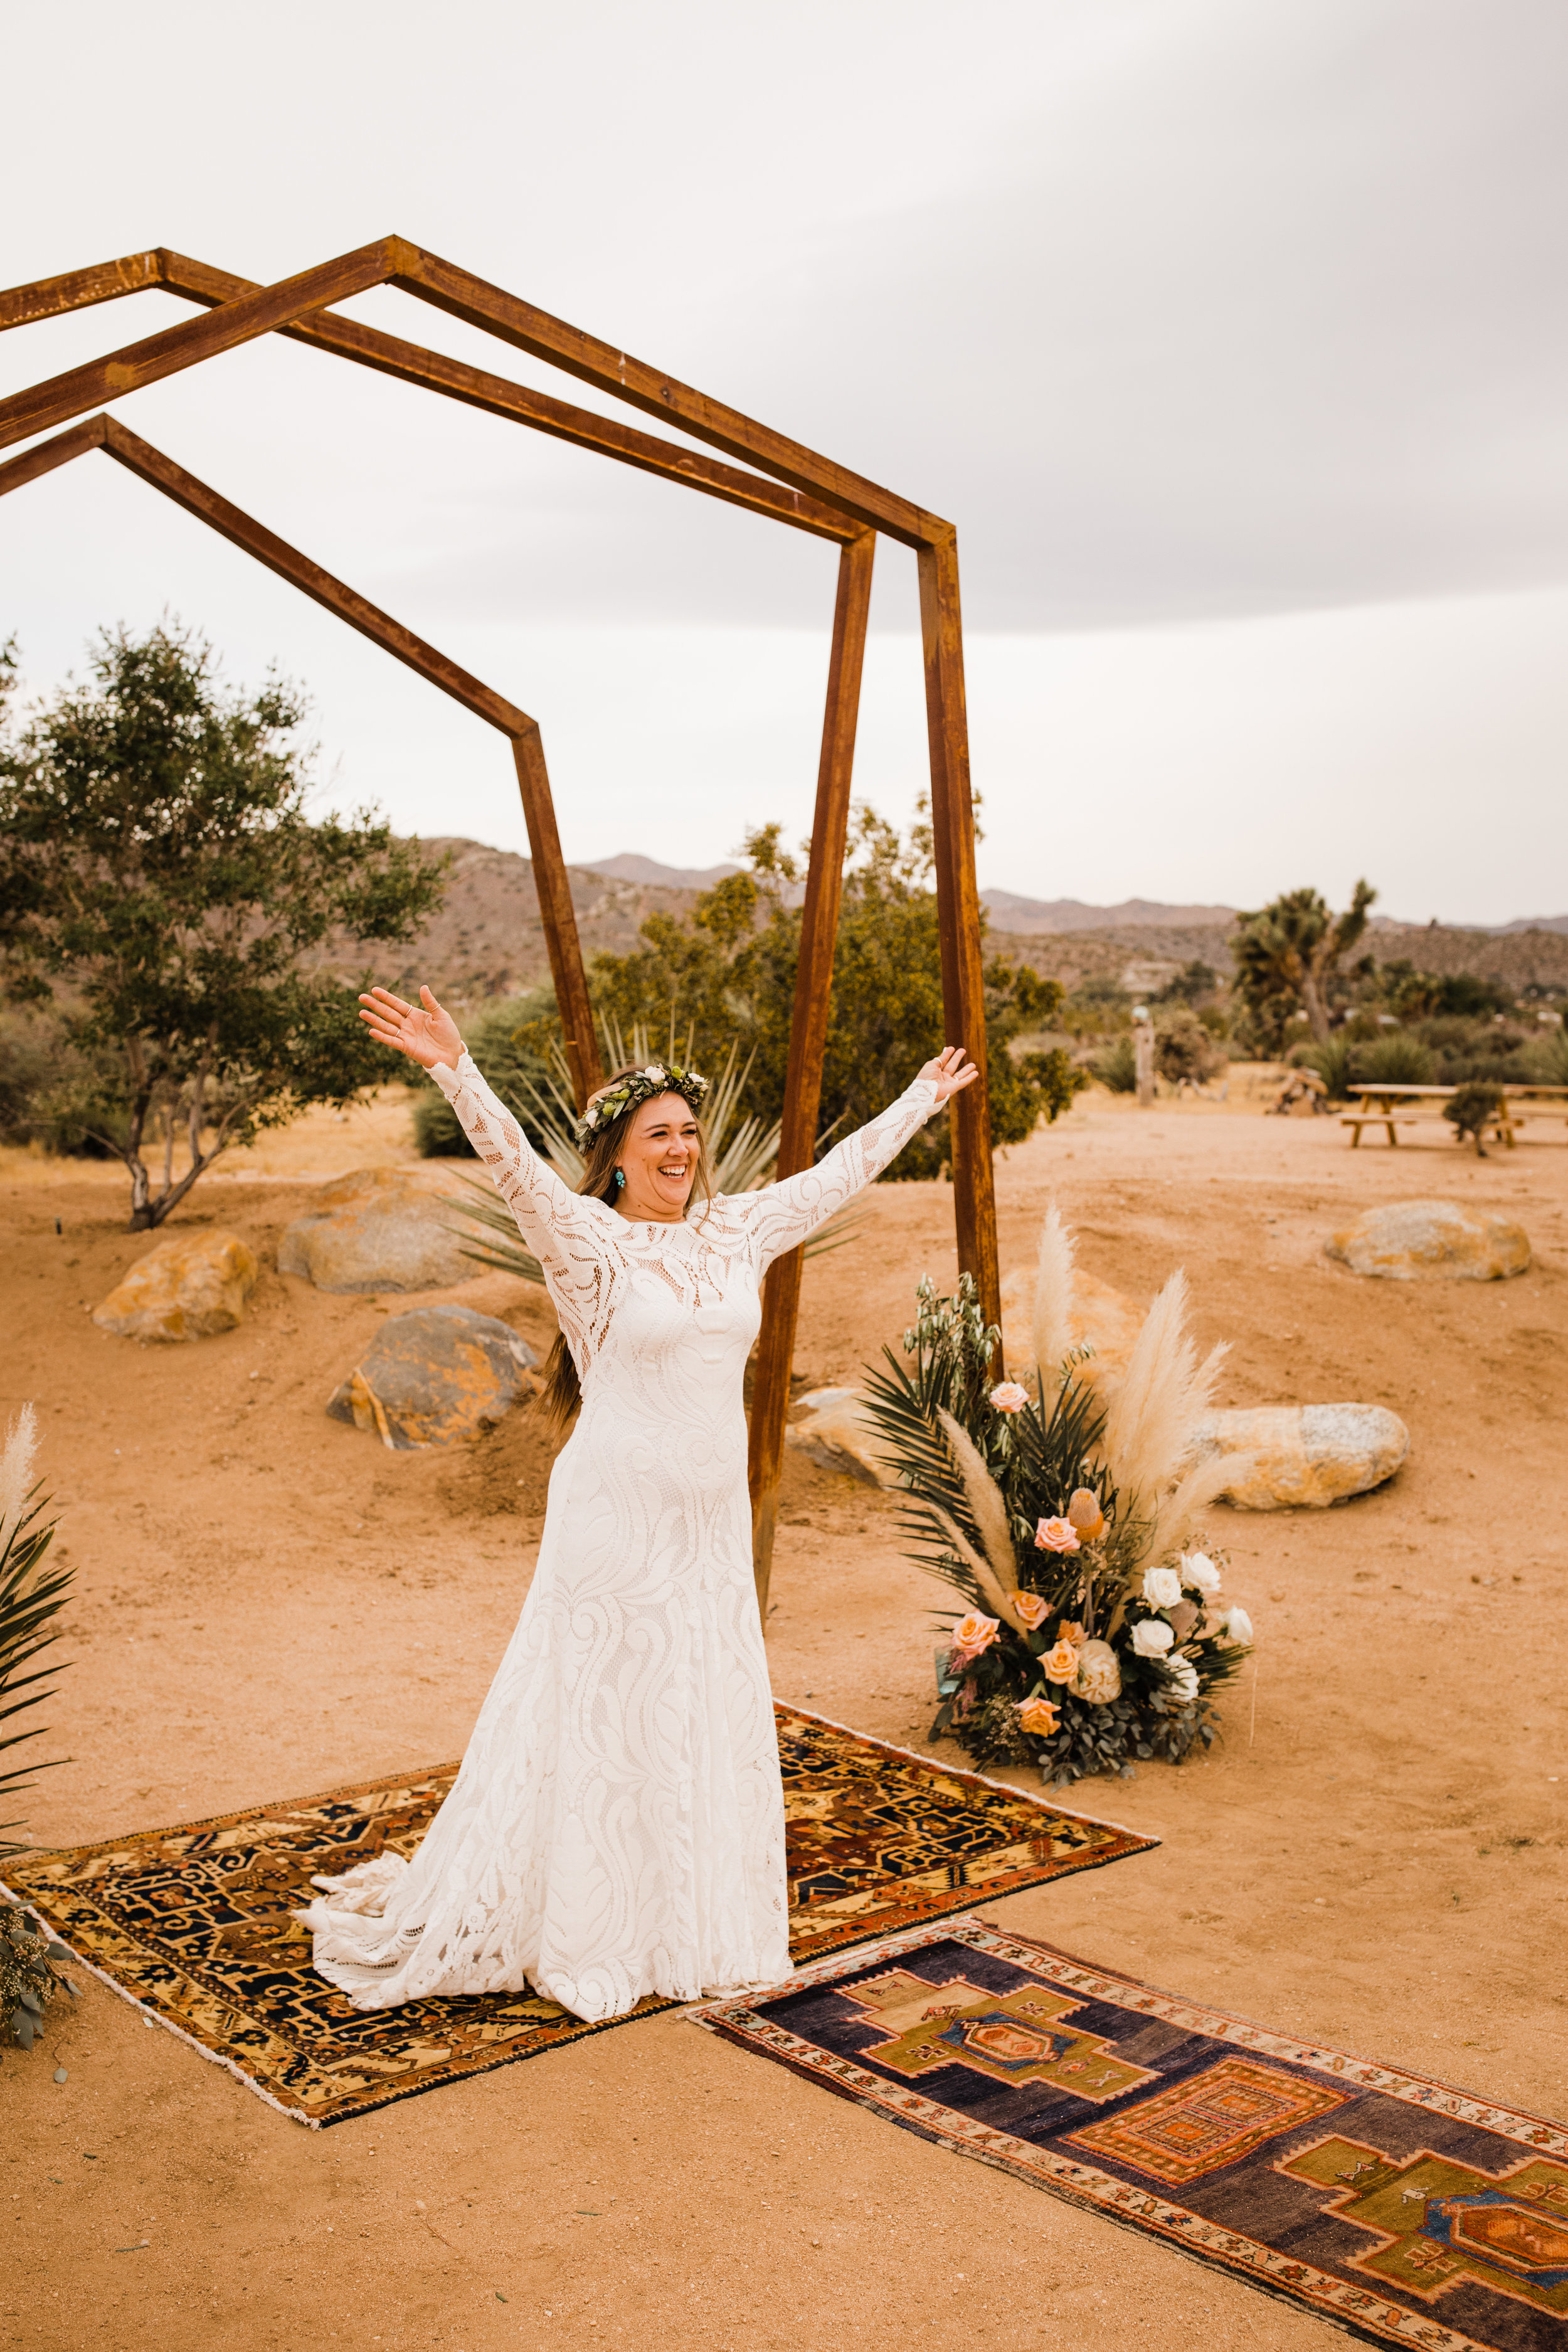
point(949, 1073)
point(422, 1031)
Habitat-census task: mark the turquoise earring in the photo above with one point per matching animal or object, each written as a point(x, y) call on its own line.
point(620, 1179)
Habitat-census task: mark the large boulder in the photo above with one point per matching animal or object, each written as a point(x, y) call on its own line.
point(831, 1428)
point(434, 1377)
point(1431, 1241)
point(1103, 1319)
point(188, 1286)
point(381, 1229)
point(1291, 1456)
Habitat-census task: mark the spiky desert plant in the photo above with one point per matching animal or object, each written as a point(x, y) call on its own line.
point(30, 1596)
point(744, 1155)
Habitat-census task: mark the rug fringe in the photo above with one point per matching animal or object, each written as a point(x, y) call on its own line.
point(154, 2017)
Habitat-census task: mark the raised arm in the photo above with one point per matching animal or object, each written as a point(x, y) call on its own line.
point(784, 1214)
point(554, 1220)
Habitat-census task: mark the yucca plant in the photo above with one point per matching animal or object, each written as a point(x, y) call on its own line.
point(30, 1596)
point(744, 1152)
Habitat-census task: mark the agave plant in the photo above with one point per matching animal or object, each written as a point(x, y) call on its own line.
point(30, 1595)
point(744, 1152)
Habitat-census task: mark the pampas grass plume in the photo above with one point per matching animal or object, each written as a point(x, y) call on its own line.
point(1052, 1332)
point(16, 1470)
point(1149, 1433)
point(990, 1512)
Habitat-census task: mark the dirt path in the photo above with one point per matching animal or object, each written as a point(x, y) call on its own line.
point(268, 1604)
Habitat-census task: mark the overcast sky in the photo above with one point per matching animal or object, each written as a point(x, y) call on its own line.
point(1232, 337)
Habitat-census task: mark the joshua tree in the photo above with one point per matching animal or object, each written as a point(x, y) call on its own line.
point(1288, 954)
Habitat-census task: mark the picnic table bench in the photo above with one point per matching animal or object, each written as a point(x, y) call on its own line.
point(1392, 1108)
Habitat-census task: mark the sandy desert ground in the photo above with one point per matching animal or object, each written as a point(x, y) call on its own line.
point(268, 1604)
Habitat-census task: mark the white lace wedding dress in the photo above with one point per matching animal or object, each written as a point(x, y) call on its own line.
point(618, 1827)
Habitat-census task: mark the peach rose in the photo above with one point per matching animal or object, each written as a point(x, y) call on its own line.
point(1070, 1629)
point(1038, 1714)
point(1056, 1535)
point(970, 1636)
point(1060, 1665)
point(1029, 1609)
point(1009, 1396)
point(1086, 1515)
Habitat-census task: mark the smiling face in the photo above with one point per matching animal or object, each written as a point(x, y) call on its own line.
point(660, 1156)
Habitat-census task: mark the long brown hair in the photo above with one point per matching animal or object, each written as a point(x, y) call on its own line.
point(562, 1390)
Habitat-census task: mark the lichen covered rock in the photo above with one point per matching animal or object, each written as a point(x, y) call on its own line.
point(434, 1377)
point(190, 1285)
point(1304, 1455)
point(380, 1229)
point(1431, 1241)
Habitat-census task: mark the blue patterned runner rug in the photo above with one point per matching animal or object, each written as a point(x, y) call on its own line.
point(1404, 2211)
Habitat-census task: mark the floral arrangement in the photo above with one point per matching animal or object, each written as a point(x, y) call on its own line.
point(1095, 1631)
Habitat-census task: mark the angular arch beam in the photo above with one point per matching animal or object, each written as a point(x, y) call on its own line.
point(242, 530)
point(818, 496)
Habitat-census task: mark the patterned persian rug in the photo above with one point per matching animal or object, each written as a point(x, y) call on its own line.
point(1402, 2211)
point(197, 1924)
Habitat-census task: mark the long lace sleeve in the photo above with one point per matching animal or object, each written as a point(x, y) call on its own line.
point(555, 1222)
point(784, 1214)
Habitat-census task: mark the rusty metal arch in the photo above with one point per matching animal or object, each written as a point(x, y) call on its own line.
point(817, 496)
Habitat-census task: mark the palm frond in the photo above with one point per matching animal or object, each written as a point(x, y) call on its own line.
point(30, 1595)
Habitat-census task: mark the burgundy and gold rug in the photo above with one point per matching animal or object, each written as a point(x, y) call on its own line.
point(195, 1924)
point(1404, 2211)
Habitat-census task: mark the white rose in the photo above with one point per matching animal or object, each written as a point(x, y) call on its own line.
point(1184, 1680)
point(1162, 1587)
point(1238, 1625)
point(1098, 1674)
point(653, 1071)
point(1200, 1572)
point(1151, 1639)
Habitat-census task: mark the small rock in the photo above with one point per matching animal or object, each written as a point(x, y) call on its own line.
point(1103, 1319)
point(1295, 1455)
point(381, 1229)
point(831, 1428)
point(188, 1286)
point(434, 1377)
point(1431, 1241)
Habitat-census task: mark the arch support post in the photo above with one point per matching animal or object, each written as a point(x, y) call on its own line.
point(557, 915)
point(808, 1038)
point(958, 918)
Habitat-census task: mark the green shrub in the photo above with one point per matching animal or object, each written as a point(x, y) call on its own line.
point(510, 1067)
point(1398, 1059)
point(1471, 1108)
point(1117, 1068)
point(1336, 1063)
point(1546, 1059)
point(1182, 1047)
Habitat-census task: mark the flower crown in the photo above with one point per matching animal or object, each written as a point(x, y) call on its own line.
point(613, 1103)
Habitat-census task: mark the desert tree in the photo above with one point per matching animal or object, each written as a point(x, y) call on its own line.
point(162, 881)
point(1287, 955)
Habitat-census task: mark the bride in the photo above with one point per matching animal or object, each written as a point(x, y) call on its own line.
point(618, 1827)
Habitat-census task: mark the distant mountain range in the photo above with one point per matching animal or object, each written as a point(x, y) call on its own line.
point(1009, 912)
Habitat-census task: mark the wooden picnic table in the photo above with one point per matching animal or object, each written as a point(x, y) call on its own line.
point(1393, 1107)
